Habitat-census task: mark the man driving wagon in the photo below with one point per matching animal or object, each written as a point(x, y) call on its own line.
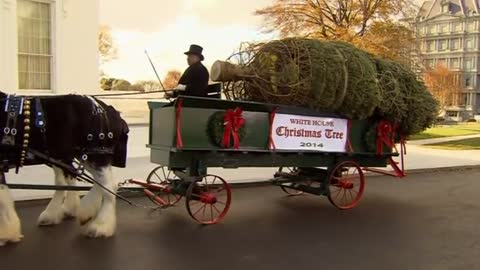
point(194, 81)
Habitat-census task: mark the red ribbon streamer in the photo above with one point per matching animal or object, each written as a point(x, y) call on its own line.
point(233, 121)
point(348, 145)
point(178, 111)
point(384, 136)
point(271, 144)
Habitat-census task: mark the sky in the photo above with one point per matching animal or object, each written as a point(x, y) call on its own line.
point(166, 28)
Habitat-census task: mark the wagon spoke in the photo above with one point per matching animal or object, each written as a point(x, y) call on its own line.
point(337, 193)
point(203, 207)
point(351, 195)
point(164, 174)
point(344, 197)
point(204, 210)
point(214, 179)
point(216, 209)
point(168, 199)
point(211, 212)
point(346, 179)
point(220, 190)
point(196, 195)
point(158, 177)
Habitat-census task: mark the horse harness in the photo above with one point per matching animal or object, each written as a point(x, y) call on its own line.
point(15, 138)
point(98, 142)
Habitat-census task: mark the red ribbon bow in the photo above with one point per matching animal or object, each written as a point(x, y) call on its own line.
point(233, 121)
point(384, 136)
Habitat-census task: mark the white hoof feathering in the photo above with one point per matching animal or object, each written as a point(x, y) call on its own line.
point(89, 205)
point(54, 212)
point(105, 222)
point(10, 229)
point(101, 227)
point(72, 200)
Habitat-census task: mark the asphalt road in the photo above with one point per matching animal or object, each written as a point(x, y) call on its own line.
point(427, 221)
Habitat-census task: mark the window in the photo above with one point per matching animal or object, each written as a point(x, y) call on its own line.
point(442, 45)
point(428, 63)
point(445, 7)
point(471, 26)
point(443, 28)
point(432, 29)
point(452, 114)
point(420, 30)
point(430, 46)
point(457, 27)
point(469, 43)
point(468, 80)
point(469, 63)
point(34, 44)
point(454, 63)
point(454, 44)
point(442, 62)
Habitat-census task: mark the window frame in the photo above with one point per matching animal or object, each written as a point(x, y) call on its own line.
point(52, 48)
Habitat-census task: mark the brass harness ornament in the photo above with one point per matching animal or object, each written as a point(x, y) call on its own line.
point(26, 134)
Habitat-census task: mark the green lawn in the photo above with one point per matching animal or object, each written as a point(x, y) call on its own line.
point(448, 131)
point(467, 144)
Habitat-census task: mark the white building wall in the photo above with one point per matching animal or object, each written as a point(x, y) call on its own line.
point(75, 54)
point(8, 46)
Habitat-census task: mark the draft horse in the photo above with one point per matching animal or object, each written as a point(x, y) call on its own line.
point(80, 132)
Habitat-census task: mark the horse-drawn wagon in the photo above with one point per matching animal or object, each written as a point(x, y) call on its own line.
point(316, 153)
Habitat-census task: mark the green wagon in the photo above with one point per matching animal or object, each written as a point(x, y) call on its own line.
point(315, 153)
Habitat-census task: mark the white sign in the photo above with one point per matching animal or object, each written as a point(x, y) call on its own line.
point(297, 132)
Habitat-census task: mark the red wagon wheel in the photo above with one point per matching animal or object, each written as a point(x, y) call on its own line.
point(290, 191)
point(346, 185)
point(163, 178)
point(208, 199)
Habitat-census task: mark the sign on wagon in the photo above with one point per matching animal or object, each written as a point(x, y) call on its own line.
point(297, 132)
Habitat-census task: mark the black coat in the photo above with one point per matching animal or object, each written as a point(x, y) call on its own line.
point(195, 78)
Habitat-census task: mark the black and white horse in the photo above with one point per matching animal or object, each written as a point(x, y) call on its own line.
point(69, 129)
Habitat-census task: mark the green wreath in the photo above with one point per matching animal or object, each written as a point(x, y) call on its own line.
point(216, 127)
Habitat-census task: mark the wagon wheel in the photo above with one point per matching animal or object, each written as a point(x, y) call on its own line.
point(346, 185)
point(163, 177)
point(290, 191)
point(208, 199)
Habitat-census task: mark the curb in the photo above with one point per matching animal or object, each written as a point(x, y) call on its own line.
point(137, 124)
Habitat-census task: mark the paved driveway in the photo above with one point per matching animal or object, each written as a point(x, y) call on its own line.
point(423, 222)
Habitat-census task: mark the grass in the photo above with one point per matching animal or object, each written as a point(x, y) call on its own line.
point(448, 131)
point(466, 144)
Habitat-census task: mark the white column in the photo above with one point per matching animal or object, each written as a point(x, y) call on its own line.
point(8, 48)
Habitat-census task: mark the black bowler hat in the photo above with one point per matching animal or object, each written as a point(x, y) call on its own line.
point(197, 50)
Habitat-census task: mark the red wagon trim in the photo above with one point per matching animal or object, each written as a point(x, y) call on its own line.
point(271, 143)
point(178, 112)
